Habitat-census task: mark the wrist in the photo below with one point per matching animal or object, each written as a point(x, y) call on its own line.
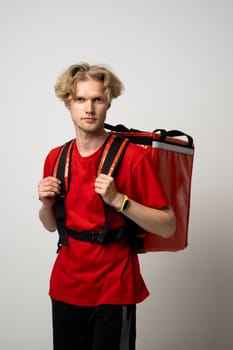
point(48, 205)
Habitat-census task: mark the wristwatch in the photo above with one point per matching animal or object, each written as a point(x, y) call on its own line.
point(124, 204)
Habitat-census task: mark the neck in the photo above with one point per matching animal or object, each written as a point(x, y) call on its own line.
point(88, 143)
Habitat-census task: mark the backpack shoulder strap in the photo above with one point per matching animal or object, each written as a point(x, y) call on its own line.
point(61, 170)
point(109, 161)
point(111, 156)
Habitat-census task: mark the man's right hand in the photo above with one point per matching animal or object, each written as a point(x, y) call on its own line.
point(48, 188)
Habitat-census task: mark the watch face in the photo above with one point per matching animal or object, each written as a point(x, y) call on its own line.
point(125, 204)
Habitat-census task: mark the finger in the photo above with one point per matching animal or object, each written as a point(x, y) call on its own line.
point(48, 188)
point(50, 180)
point(100, 185)
point(104, 180)
point(104, 177)
point(44, 195)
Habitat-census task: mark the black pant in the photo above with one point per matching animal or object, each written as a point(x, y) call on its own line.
point(105, 327)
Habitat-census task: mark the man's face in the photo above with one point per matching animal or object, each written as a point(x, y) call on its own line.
point(88, 108)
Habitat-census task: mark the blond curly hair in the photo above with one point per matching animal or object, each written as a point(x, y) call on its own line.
point(65, 87)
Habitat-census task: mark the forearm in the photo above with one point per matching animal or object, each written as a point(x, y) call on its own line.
point(159, 221)
point(47, 217)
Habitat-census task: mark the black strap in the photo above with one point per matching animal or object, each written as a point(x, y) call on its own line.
point(61, 164)
point(147, 140)
point(95, 237)
point(112, 161)
point(119, 128)
point(174, 133)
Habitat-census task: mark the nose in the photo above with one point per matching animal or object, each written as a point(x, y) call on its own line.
point(89, 107)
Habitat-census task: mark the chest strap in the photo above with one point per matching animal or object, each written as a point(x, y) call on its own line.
point(96, 237)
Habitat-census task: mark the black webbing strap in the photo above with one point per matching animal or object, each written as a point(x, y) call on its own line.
point(111, 155)
point(94, 236)
point(145, 138)
point(110, 159)
point(62, 172)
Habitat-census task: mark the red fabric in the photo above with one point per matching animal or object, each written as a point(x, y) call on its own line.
point(91, 274)
point(174, 169)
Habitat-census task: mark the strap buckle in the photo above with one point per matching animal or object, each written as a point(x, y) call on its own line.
point(93, 236)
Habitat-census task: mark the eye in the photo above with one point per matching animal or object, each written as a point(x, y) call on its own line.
point(98, 100)
point(79, 99)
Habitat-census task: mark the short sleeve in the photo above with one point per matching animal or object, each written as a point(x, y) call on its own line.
point(49, 161)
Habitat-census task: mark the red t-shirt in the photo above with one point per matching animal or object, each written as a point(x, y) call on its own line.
point(89, 274)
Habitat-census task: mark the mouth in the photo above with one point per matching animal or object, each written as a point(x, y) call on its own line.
point(89, 119)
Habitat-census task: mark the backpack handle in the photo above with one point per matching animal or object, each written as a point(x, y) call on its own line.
point(119, 128)
point(174, 133)
point(163, 133)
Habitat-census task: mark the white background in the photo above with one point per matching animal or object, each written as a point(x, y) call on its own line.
point(175, 59)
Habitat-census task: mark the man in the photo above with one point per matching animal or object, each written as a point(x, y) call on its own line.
point(94, 288)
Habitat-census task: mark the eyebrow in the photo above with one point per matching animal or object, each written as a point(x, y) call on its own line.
point(91, 98)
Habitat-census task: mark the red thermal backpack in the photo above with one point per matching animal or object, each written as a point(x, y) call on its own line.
point(173, 162)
